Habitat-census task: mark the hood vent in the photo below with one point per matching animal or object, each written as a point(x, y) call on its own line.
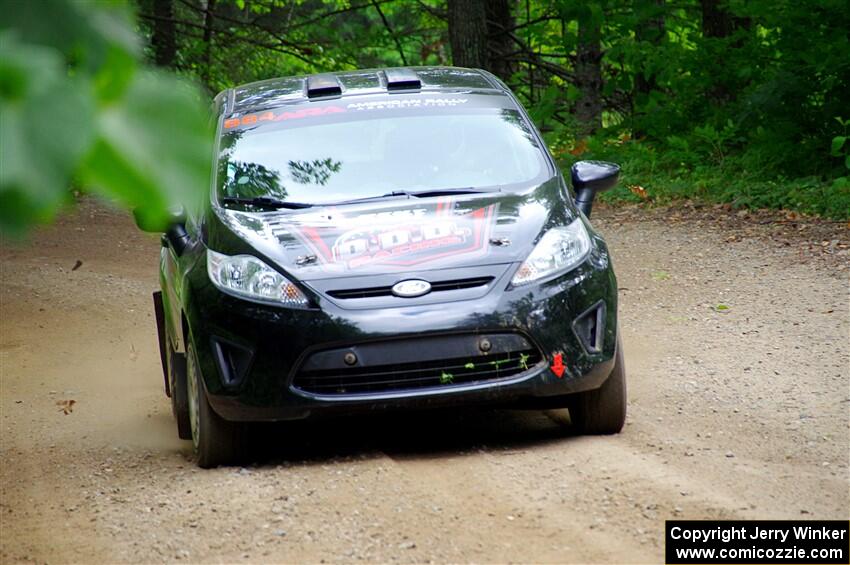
point(402, 79)
point(323, 85)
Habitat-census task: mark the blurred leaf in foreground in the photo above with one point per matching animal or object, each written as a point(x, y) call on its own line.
point(152, 150)
point(75, 103)
point(45, 129)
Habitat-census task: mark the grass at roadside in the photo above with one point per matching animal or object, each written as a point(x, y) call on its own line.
point(662, 176)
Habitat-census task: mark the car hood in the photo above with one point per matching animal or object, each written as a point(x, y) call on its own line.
point(396, 235)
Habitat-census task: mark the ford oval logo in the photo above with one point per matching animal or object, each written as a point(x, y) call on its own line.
point(411, 288)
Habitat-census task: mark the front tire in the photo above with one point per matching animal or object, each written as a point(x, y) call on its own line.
point(215, 441)
point(603, 411)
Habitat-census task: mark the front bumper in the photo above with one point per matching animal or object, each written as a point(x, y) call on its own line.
point(270, 345)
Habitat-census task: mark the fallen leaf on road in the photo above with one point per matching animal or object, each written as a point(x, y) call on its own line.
point(66, 406)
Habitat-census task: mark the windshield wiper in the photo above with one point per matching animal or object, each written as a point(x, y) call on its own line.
point(265, 202)
point(275, 204)
point(419, 194)
point(441, 192)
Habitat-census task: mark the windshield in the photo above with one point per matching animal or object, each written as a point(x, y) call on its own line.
point(326, 156)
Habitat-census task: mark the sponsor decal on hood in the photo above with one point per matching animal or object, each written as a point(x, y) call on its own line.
point(399, 238)
point(392, 236)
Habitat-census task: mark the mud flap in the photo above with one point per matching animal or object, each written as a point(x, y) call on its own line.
point(179, 394)
point(160, 330)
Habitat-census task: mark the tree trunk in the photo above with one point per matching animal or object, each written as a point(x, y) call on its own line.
point(468, 33)
point(209, 18)
point(500, 21)
point(718, 21)
point(588, 73)
point(163, 36)
point(650, 29)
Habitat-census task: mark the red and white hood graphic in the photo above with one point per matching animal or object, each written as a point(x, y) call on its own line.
point(403, 238)
point(395, 236)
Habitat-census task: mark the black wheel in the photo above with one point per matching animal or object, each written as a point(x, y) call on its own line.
point(603, 411)
point(215, 441)
point(176, 367)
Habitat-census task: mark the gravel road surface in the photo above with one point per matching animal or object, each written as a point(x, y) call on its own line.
point(736, 330)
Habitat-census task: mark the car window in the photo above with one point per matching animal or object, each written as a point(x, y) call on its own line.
point(336, 158)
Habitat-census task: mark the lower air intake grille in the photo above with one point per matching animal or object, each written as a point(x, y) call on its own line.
point(404, 365)
point(589, 327)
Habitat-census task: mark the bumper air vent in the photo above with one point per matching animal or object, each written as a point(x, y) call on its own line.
point(590, 328)
point(233, 361)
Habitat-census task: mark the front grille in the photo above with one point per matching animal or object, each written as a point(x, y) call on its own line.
point(438, 286)
point(416, 364)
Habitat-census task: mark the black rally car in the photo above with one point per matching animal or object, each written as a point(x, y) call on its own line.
point(385, 239)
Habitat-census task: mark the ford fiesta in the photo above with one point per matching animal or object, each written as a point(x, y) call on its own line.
point(379, 240)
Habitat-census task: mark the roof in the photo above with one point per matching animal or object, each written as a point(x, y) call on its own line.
point(288, 90)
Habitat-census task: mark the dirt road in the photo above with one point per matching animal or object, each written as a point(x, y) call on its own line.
point(736, 412)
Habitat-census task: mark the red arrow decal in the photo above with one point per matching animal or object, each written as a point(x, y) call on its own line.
point(558, 365)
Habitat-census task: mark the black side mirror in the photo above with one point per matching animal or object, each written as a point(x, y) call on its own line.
point(148, 222)
point(590, 177)
point(174, 227)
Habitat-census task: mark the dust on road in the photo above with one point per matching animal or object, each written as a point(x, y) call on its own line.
point(735, 412)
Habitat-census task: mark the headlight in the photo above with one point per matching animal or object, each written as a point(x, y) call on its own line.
point(248, 277)
point(559, 250)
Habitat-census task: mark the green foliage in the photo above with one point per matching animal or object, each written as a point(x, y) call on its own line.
point(253, 40)
point(746, 117)
point(741, 112)
point(840, 146)
point(45, 129)
point(76, 103)
point(683, 168)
